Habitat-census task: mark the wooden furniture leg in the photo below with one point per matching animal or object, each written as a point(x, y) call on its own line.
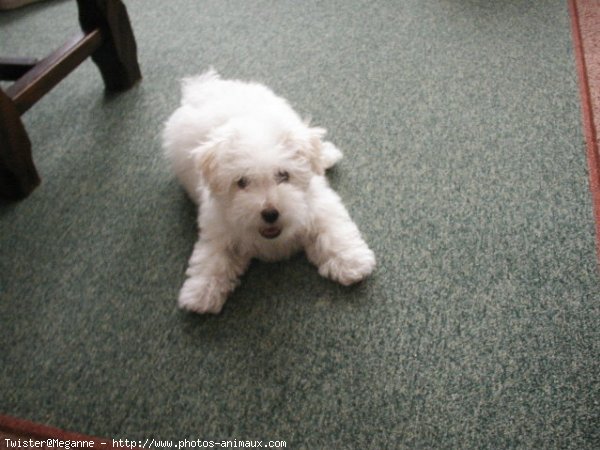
point(107, 37)
point(117, 56)
point(18, 176)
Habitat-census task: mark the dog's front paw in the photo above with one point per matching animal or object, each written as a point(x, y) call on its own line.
point(202, 295)
point(349, 267)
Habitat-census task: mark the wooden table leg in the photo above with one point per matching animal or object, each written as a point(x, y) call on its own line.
point(18, 176)
point(117, 56)
point(108, 37)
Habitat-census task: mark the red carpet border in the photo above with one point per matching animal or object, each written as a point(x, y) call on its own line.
point(585, 21)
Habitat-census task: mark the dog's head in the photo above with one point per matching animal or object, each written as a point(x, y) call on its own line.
point(259, 175)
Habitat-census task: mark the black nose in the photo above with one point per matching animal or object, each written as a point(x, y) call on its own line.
point(269, 215)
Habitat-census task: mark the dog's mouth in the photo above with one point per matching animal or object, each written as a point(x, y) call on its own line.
point(270, 232)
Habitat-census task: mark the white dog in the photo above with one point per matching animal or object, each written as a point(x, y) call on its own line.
point(256, 170)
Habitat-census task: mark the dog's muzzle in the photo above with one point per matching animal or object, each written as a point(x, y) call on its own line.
point(270, 216)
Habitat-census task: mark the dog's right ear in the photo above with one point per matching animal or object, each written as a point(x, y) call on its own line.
point(207, 158)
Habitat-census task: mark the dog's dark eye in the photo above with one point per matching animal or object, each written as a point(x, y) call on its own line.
point(242, 182)
point(282, 176)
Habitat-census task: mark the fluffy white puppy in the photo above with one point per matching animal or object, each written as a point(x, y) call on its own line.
point(256, 170)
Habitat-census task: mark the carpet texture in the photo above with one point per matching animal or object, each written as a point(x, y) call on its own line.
point(465, 169)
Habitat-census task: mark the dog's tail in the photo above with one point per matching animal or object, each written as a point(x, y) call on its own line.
point(188, 83)
point(209, 75)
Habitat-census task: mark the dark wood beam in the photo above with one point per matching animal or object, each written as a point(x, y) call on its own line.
point(38, 81)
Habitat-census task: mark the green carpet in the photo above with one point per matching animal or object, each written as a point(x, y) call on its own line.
point(464, 168)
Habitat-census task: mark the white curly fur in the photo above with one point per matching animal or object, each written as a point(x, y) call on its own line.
point(257, 172)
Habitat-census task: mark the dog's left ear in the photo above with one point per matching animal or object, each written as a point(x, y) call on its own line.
point(308, 145)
